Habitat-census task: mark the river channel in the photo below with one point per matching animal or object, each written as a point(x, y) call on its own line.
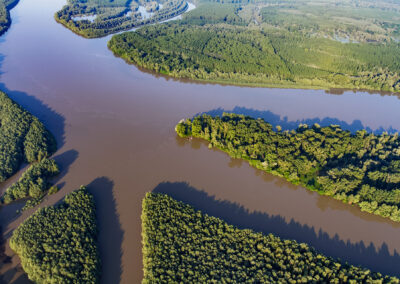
point(115, 125)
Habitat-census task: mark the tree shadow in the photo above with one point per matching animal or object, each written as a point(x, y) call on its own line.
point(7, 277)
point(276, 119)
point(110, 232)
point(53, 120)
point(377, 259)
point(22, 279)
point(64, 162)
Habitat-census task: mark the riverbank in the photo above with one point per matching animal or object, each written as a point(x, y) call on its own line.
point(114, 127)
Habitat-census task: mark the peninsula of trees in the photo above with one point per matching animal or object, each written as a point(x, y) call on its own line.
point(58, 244)
point(97, 18)
point(5, 20)
point(274, 43)
point(24, 139)
point(361, 168)
point(181, 244)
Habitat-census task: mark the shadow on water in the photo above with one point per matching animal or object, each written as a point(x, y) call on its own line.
point(276, 119)
point(64, 161)
point(377, 259)
point(10, 274)
point(53, 121)
point(110, 232)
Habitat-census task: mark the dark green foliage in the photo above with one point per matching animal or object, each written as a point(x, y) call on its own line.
point(22, 138)
point(5, 20)
point(33, 182)
point(58, 244)
point(220, 42)
point(114, 16)
point(361, 168)
point(182, 245)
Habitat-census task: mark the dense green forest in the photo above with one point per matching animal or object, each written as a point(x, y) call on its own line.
point(228, 43)
point(23, 138)
point(5, 20)
point(97, 18)
point(182, 245)
point(360, 168)
point(33, 183)
point(58, 244)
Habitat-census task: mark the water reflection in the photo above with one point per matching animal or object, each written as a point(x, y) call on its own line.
point(358, 253)
point(340, 91)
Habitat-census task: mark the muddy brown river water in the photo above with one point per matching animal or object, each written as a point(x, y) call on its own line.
point(115, 129)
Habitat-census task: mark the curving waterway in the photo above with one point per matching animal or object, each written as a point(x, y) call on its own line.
point(115, 128)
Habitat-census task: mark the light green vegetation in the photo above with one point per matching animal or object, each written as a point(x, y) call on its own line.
point(182, 245)
point(243, 44)
point(5, 20)
point(105, 17)
point(23, 138)
point(345, 20)
point(361, 169)
point(58, 244)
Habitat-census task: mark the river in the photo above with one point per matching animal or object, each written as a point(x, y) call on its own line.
point(115, 129)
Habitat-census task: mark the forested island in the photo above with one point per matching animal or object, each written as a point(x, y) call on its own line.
point(24, 139)
point(94, 18)
point(274, 43)
point(5, 20)
point(181, 244)
point(361, 169)
point(58, 244)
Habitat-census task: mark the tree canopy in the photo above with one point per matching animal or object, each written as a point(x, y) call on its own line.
point(182, 245)
point(360, 168)
point(58, 244)
point(23, 138)
point(5, 19)
point(97, 18)
point(33, 182)
point(274, 44)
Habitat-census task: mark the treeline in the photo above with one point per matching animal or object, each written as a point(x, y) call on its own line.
point(33, 183)
point(112, 16)
point(361, 168)
point(182, 245)
point(5, 19)
point(23, 138)
point(229, 52)
point(58, 244)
